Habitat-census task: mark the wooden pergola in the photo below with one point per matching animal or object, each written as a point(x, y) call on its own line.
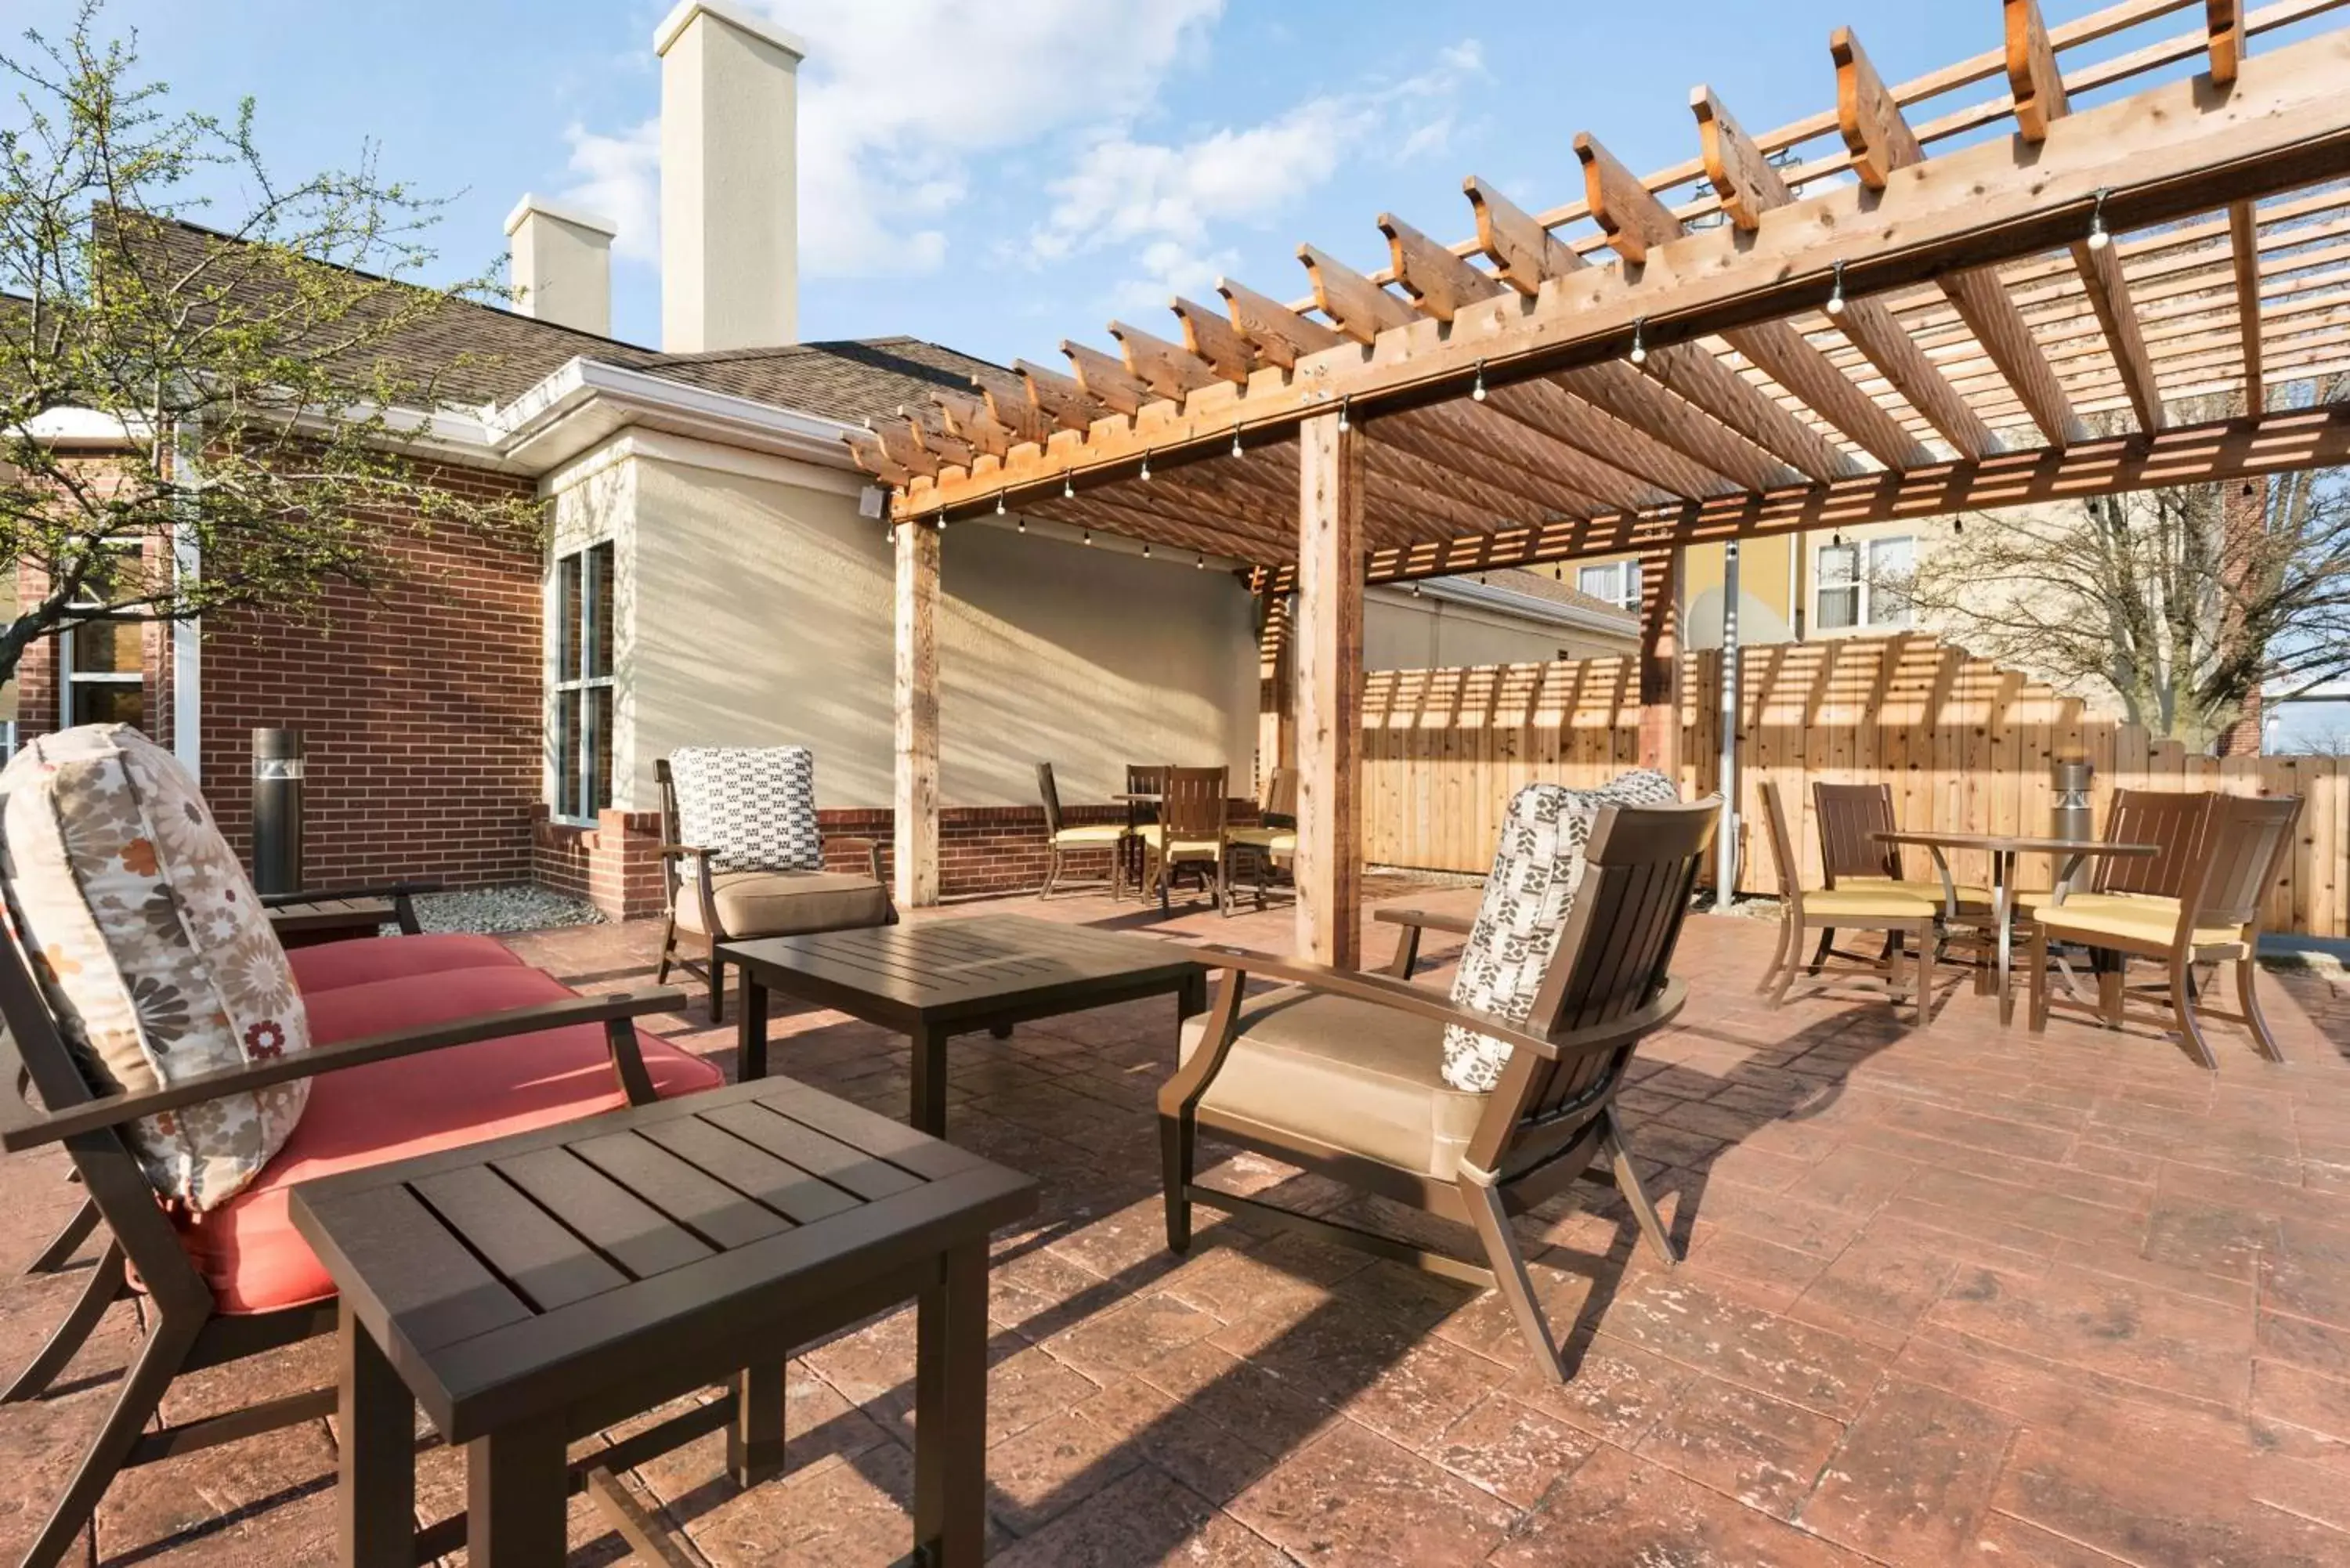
point(1907, 306)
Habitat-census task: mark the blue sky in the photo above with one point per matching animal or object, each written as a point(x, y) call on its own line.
point(999, 176)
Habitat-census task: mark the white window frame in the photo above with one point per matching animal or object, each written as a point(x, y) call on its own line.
point(1625, 576)
point(1870, 613)
point(69, 677)
point(563, 683)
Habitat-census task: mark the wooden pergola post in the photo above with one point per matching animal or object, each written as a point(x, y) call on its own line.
point(914, 795)
point(1328, 641)
point(1660, 663)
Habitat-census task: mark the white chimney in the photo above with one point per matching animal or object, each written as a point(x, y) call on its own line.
point(559, 265)
point(730, 179)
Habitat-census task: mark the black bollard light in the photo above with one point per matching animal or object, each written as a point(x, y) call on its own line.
point(2069, 816)
point(277, 811)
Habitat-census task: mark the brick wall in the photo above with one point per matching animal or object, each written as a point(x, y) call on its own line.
point(614, 865)
point(420, 708)
point(982, 850)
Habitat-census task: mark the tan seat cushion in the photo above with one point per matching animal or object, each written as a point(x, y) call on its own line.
point(1926, 888)
point(1861, 904)
point(1090, 833)
point(1357, 1076)
point(2151, 924)
point(1279, 840)
point(2079, 903)
point(786, 903)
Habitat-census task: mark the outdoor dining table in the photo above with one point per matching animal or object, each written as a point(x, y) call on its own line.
point(2003, 848)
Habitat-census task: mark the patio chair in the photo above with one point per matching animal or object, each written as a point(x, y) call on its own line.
point(1190, 831)
point(1889, 908)
point(2173, 822)
point(1141, 779)
point(2216, 920)
point(1480, 1106)
point(1060, 839)
point(1850, 817)
point(1272, 840)
point(742, 856)
point(189, 1153)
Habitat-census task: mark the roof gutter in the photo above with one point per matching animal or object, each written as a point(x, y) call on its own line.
point(587, 401)
point(1526, 607)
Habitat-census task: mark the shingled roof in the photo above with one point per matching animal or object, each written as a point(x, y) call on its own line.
point(475, 353)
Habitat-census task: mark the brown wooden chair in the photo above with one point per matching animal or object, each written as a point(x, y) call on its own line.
point(1878, 905)
point(1342, 1073)
point(1141, 779)
point(1852, 857)
point(2173, 822)
point(1271, 841)
point(715, 893)
point(2216, 920)
point(1190, 831)
point(1062, 840)
point(186, 1329)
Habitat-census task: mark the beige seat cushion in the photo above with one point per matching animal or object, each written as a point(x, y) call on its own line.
point(786, 903)
point(1153, 835)
point(1926, 887)
point(1861, 904)
point(1359, 1077)
point(1279, 840)
point(2081, 903)
point(1089, 833)
point(2150, 925)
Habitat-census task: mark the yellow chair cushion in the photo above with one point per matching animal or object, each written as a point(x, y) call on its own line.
point(2081, 903)
point(1279, 840)
point(2152, 926)
point(1860, 905)
point(1926, 888)
point(1154, 835)
point(1095, 832)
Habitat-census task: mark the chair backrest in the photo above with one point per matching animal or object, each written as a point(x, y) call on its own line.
point(1280, 806)
point(1051, 796)
point(2244, 839)
point(1783, 842)
point(752, 807)
point(2173, 822)
point(1144, 778)
point(1850, 817)
point(1612, 958)
point(1195, 802)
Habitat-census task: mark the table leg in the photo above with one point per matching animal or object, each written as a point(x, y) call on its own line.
point(951, 1413)
point(2002, 873)
point(751, 1030)
point(516, 1496)
point(376, 1502)
point(929, 1112)
point(1192, 998)
point(754, 1443)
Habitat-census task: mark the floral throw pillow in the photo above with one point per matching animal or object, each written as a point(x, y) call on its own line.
point(1536, 871)
point(156, 956)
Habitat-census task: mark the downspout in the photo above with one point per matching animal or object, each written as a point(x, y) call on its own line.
point(1725, 871)
point(187, 632)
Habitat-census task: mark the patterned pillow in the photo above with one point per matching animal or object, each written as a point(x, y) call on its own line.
point(157, 958)
point(1536, 871)
point(754, 808)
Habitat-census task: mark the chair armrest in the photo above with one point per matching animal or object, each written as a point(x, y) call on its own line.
point(22, 1128)
point(680, 851)
point(1386, 991)
point(871, 848)
point(1426, 920)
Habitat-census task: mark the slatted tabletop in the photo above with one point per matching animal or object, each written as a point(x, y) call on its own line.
point(946, 977)
point(518, 1276)
point(341, 916)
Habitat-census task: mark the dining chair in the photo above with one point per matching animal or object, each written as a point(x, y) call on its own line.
point(1853, 856)
point(1190, 831)
point(1141, 779)
point(1272, 840)
point(1061, 839)
point(1893, 909)
point(2173, 822)
point(2216, 920)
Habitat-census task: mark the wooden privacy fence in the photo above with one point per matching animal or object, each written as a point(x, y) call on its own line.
point(1965, 744)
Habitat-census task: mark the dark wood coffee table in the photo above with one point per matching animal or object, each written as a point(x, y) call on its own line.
point(534, 1289)
point(947, 977)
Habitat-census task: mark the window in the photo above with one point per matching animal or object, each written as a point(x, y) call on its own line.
point(103, 678)
point(1864, 583)
point(583, 684)
point(1618, 582)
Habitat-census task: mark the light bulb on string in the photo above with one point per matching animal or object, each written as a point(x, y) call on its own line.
point(1089, 536)
point(1835, 295)
point(1477, 392)
point(2099, 238)
point(1343, 405)
point(1236, 439)
point(999, 504)
point(1639, 341)
point(1146, 468)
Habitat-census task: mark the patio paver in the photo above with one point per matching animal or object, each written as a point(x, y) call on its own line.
point(1952, 1296)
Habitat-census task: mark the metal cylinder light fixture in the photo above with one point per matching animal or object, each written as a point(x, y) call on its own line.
point(277, 770)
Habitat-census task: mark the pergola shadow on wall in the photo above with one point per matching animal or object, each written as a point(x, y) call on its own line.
point(1934, 296)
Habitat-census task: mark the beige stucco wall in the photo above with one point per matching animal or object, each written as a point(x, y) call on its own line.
point(755, 608)
point(1400, 632)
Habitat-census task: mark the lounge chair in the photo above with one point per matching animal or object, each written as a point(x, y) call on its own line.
point(2216, 919)
point(257, 1091)
point(742, 856)
point(1478, 1106)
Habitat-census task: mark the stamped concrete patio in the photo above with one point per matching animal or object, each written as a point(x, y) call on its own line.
point(1955, 1295)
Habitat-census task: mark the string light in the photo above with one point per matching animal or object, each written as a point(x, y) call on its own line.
point(1200, 565)
point(1146, 467)
point(1415, 590)
point(1236, 438)
point(1342, 403)
point(1068, 487)
point(1835, 541)
point(1958, 525)
point(1146, 549)
point(1089, 536)
point(1835, 296)
point(1020, 524)
point(1639, 341)
point(1477, 392)
point(999, 504)
point(2099, 238)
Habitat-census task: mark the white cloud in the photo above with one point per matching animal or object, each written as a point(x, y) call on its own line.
point(619, 179)
point(1167, 198)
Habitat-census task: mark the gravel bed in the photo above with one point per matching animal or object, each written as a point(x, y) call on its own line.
point(510, 907)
